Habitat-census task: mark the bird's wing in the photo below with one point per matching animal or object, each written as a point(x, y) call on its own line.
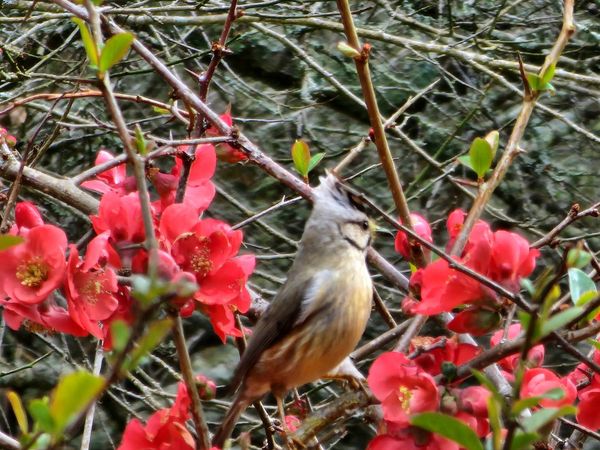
point(288, 310)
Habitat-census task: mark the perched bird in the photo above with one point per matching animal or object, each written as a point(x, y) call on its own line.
point(320, 313)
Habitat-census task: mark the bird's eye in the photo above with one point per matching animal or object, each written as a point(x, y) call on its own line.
point(365, 225)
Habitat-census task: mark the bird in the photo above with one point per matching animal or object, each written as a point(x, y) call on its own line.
point(320, 313)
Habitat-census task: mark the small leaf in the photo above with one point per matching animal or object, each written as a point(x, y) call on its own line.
point(154, 336)
point(114, 50)
point(40, 411)
point(88, 41)
point(19, 411)
point(494, 417)
point(481, 156)
point(547, 76)
point(578, 258)
point(534, 81)
point(523, 441)
point(73, 393)
point(559, 320)
point(465, 160)
point(159, 110)
point(493, 138)
point(314, 160)
point(448, 427)
point(9, 240)
point(140, 141)
point(347, 50)
point(120, 333)
point(545, 416)
point(579, 284)
point(301, 157)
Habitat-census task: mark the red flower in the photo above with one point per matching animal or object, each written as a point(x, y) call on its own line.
point(165, 429)
point(412, 438)
point(122, 216)
point(206, 248)
point(535, 357)
point(27, 216)
point(538, 381)
point(512, 259)
point(226, 152)
point(41, 317)
point(587, 414)
point(90, 288)
point(421, 227)
point(114, 179)
point(452, 351)
point(475, 320)
point(199, 191)
point(32, 270)
point(402, 387)
point(443, 289)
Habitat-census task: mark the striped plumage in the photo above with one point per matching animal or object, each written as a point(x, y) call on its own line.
point(320, 313)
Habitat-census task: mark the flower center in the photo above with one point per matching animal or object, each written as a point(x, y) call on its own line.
point(200, 260)
point(404, 396)
point(32, 273)
point(92, 289)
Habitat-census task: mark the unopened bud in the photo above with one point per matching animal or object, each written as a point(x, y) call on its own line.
point(348, 50)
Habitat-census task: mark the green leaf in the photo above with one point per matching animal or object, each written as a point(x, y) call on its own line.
point(114, 50)
point(88, 41)
point(493, 138)
point(40, 411)
point(154, 336)
point(545, 416)
point(314, 160)
point(486, 382)
point(579, 284)
point(448, 427)
point(559, 320)
point(140, 141)
point(73, 393)
point(494, 416)
point(481, 156)
point(19, 411)
point(578, 258)
point(547, 76)
point(465, 160)
point(120, 332)
point(523, 441)
point(301, 157)
point(159, 110)
point(534, 81)
point(9, 240)
point(347, 50)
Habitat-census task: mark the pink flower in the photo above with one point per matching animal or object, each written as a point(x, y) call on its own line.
point(421, 227)
point(31, 270)
point(165, 429)
point(121, 216)
point(41, 317)
point(200, 190)
point(512, 259)
point(452, 351)
point(226, 152)
point(27, 216)
point(90, 288)
point(538, 381)
point(535, 357)
point(113, 180)
point(402, 387)
point(587, 414)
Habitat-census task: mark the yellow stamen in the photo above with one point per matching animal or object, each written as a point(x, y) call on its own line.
point(32, 273)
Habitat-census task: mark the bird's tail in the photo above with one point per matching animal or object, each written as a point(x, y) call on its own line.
point(237, 408)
